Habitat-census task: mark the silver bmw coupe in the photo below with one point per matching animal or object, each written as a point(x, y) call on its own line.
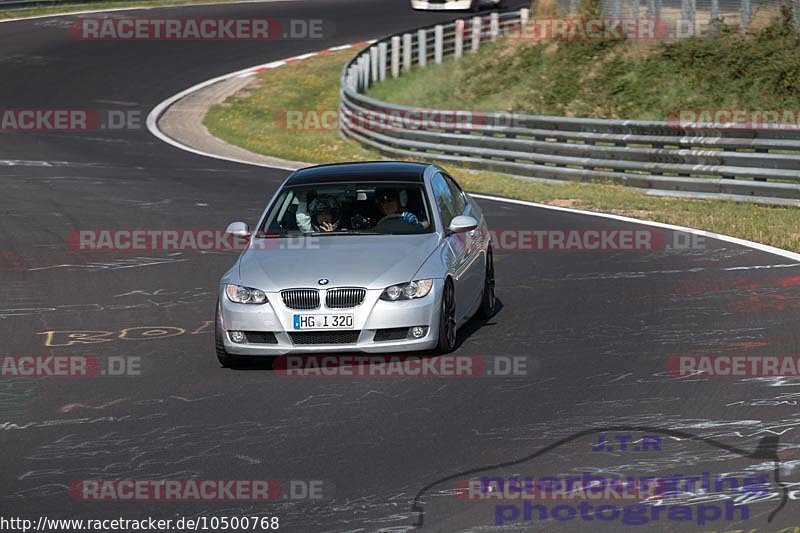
point(357, 257)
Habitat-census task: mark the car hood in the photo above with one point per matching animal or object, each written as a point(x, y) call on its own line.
point(371, 261)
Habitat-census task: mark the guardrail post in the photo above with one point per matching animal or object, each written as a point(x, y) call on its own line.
point(422, 48)
point(359, 63)
point(494, 26)
point(796, 14)
point(438, 43)
point(687, 18)
point(406, 52)
point(459, 42)
point(352, 77)
point(477, 26)
point(382, 52)
point(373, 62)
point(359, 74)
point(524, 15)
point(636, 9)
point(364, 64)
point(714, 18)
point(395, 56)
point(745, 13)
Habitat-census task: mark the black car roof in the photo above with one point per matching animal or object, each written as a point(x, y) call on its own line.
point(368, 171)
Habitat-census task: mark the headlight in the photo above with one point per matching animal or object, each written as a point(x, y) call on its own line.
point(408, 291)
point(245, 295)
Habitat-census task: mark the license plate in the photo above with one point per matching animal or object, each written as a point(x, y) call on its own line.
point(323, 321)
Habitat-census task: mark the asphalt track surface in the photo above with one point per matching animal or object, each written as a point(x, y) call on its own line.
point(595, 327)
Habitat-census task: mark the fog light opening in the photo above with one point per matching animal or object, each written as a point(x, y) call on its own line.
point(236, 336)
point(418, 332)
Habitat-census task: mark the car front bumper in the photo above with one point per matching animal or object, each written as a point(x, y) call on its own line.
point(275, 319)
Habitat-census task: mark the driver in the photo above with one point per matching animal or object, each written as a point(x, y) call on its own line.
point(391, 207)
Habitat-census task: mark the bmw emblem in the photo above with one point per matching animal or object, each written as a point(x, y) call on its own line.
point(323, 281)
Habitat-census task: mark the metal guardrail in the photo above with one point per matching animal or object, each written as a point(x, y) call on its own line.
point(759, 163)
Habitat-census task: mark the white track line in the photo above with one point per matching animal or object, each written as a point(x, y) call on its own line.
point(735, 240)
point(155, 114)
point(152, 125)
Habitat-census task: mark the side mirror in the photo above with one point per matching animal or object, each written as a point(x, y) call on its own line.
point(462, 224)
point(238, 229)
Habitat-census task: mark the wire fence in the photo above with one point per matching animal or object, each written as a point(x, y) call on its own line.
point(696, 17)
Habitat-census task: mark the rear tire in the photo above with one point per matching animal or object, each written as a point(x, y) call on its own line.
point(447, 320)
point(225, 359)
point(475, 6)
point(488, 301)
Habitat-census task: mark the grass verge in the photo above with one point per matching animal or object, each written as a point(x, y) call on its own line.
point(255, 120)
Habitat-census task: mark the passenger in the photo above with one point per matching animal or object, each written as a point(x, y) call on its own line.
point(323, 213)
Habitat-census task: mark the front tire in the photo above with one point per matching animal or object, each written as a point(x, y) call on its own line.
point(489, 301)
point(447, 320)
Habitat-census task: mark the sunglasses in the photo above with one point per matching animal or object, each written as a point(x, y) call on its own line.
point(387, 199)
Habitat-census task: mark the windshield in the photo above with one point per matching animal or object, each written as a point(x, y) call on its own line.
point(358, 208)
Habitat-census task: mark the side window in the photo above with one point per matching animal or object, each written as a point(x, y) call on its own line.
point(458, 196)
point(444, 199)
point(277, 218)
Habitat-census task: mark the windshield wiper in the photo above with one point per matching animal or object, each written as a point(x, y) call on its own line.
point(359, 232)
point(273, 235)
